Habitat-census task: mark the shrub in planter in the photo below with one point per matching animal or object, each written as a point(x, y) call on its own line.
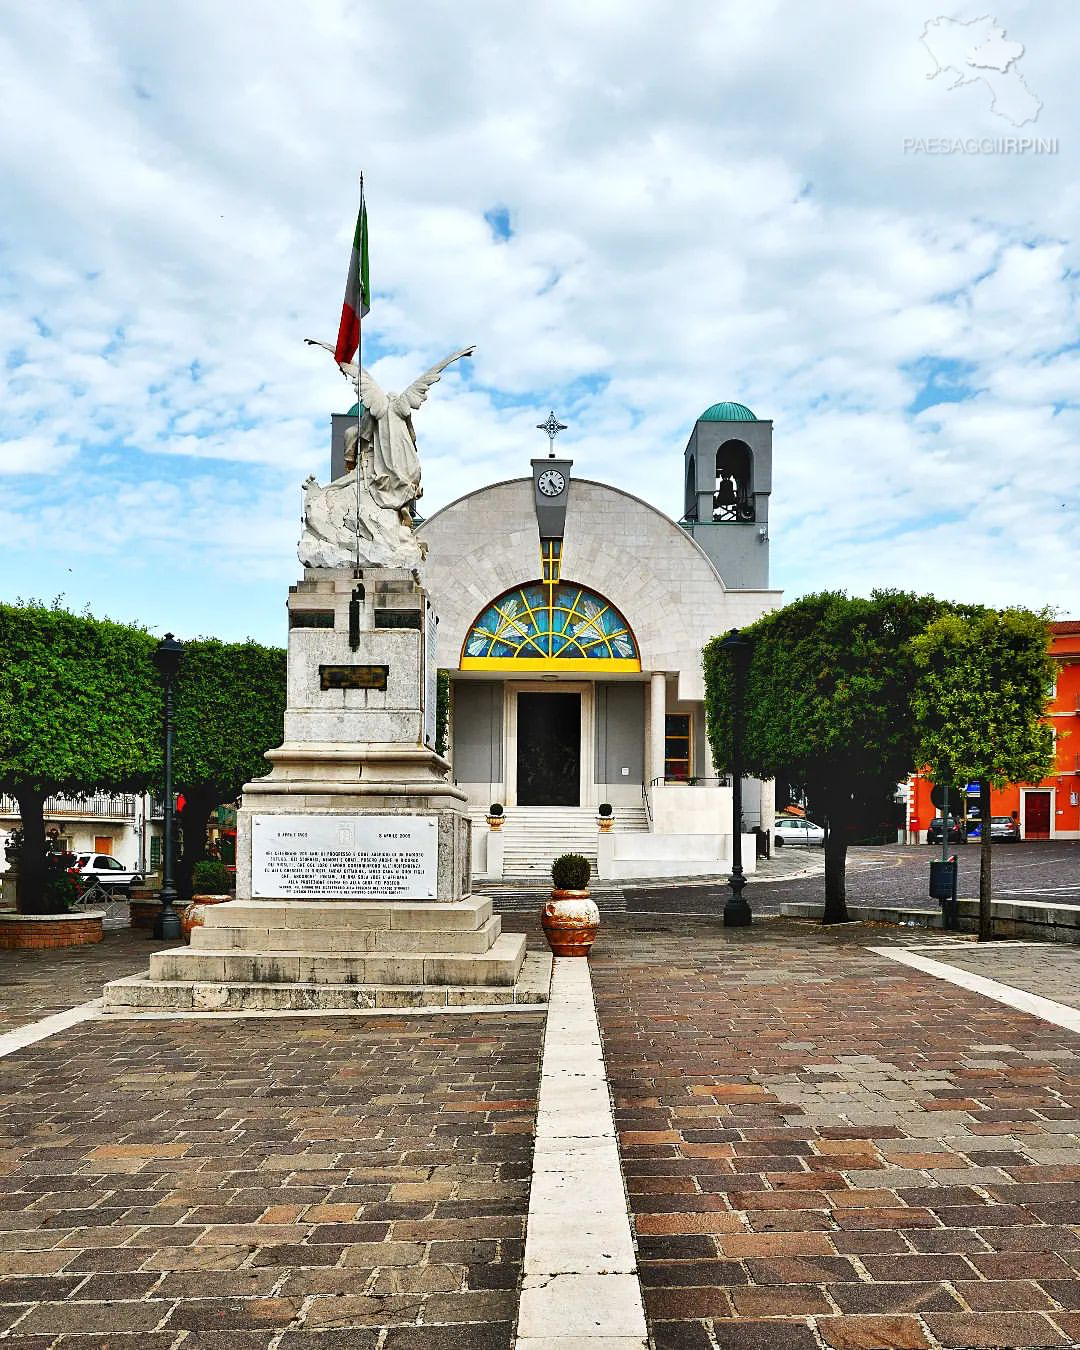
point(604, 809)
point(570, 872)
point(59, 891)
point(570, 918)
point(495, 815)
point(495, 809)
point(210, 877)
point(211, 884)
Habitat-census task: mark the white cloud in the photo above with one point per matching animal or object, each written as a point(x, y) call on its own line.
point(712, 207)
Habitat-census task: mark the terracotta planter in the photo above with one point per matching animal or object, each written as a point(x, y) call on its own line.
point(571, 921)
point(193, 915)
point(604, 824)
point(495, 822)
point(143, 906)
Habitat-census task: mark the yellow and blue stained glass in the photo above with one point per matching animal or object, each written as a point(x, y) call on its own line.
point(550, 624)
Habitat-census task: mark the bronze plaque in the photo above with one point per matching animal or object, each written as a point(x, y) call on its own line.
point(397, 618)
point(353, 677)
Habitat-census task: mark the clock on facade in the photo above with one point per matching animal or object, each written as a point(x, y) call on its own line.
point(551, 482)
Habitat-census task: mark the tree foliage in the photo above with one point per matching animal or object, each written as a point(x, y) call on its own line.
point(442, 711)
point(229, 710)
point(827, 706)
point(983, 689)
point(79, 712)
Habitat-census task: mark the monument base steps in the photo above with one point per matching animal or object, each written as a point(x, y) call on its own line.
point(337, 955)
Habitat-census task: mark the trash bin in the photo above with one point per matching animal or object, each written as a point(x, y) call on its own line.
point(943, 888)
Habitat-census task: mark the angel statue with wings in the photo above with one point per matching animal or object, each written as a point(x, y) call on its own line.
point(365, 516)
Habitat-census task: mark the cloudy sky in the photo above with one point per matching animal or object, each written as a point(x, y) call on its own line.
point(634, 209)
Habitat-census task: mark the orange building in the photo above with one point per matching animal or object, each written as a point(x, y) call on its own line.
point(1046, 810)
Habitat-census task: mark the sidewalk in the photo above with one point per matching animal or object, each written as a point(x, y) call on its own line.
point(822, 1147)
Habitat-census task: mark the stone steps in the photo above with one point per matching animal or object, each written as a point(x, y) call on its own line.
point(139, 995)
point(499, 965)
point(309, 955)
point(360, 915)
point(534, 836)
point(344, 940)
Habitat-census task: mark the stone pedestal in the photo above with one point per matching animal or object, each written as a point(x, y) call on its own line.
point(353, 853)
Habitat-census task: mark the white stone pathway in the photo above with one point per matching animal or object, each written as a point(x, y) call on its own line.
point(1058, 1014)
point(44, 1027)
point(581, 1289)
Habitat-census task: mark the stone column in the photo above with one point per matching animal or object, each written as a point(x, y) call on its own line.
point(657, 710)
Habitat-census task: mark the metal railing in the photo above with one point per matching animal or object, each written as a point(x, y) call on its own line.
point(690, 782)
point(112, 805)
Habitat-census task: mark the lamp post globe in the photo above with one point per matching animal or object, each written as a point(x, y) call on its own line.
point(167, 657)
point(737, 912)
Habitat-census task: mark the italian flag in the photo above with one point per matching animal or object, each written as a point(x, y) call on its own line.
point(357, 291)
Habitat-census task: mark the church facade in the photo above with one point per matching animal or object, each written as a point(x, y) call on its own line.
point(572, 617)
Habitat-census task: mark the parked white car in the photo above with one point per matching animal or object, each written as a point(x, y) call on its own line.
point(112, 873)
point(795, 830)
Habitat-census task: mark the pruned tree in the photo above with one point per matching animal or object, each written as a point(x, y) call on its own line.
point(80, 711)
point(827, 707)
point(984, 682)
point(230, 706)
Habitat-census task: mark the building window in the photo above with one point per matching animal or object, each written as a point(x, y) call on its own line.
point(677, 746)
point(551, 557)
point(551, 624)
point(103, 843)
point(155, 853)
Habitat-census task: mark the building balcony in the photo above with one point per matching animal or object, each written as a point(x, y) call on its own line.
point(102, 806)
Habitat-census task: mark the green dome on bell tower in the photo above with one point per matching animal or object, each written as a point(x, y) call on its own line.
point(727, 412)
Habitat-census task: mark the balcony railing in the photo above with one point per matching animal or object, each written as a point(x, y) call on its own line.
point(115, 806)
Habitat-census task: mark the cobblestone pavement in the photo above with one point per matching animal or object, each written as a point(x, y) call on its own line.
point(824, 1148)
point(36, 984)
point(1051, 970)
point(302, 1184)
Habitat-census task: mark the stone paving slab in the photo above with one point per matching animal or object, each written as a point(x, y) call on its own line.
point(36, 984)
point(1046, 969)
point(302, 1185)
point(825, 1148)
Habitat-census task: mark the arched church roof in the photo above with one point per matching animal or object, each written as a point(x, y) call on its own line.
point(616, 546)
point(728, 412)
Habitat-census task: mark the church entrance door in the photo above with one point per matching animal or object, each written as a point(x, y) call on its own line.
point(549, 749)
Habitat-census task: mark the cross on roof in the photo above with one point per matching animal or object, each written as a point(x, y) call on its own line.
point(552, 426)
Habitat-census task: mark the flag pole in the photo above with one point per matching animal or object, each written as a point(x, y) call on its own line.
point(359, 402)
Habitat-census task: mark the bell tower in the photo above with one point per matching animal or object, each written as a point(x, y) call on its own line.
point(728, 474)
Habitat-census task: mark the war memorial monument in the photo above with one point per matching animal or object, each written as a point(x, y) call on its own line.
point(354, 852)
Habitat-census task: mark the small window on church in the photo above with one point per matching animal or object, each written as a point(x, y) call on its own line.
point(551, 556)
point(677, 746)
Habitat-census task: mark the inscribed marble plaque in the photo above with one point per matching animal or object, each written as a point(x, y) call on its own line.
point(320, 857)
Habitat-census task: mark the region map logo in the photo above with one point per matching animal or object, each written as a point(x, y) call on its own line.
point(977, 52)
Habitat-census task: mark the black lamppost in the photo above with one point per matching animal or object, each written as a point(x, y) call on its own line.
point(737, 912)
point(167, 656)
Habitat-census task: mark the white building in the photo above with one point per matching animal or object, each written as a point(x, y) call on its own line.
point(126, 826)
point(572, 616)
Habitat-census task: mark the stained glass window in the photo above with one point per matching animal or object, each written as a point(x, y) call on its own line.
point(552, 624)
